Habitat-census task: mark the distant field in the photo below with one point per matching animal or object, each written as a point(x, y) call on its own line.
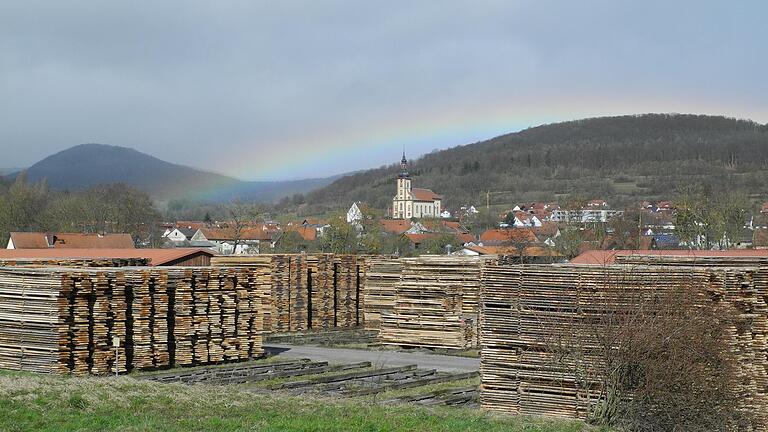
point(51, 403)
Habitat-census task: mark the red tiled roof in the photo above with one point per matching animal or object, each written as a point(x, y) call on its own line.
point(37, 240)
point(157, 257)
point(547, 229)
point(512, 235)
point(424, 195)
point(306, 232)
point(29, 240)
point(395, 226)
point(229, 234)
point(195, 225)
point(602, 257)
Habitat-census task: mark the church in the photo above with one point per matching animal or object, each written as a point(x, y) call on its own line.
point(413, 202)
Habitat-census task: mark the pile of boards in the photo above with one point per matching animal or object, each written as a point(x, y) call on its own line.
point(528, 311)
point(382, 278)
point(303, 292)
point(64, 319)
point(73, 262)
point(435, 303)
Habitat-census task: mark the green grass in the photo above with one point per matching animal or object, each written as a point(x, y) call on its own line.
point(51, 403)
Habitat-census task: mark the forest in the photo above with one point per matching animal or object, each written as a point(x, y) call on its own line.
point(622, 159)
point(114, 208)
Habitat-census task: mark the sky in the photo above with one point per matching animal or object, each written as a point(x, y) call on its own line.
point(296, 89)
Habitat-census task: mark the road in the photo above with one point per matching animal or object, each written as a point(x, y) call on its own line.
point(439, 362)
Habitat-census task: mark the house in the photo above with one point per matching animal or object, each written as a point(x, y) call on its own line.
point(401, 226)
point(547, 233)
point(180, 235)
point(508, 237)
point(42, 240)
point(227, 241)
point(308, 233)
point(157, 257)
point(316, 224)
point(445, 214)
point(354, 214)
point(412, 202)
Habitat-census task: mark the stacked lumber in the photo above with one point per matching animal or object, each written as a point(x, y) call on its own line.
point(382, 277)
point(347, 289)
point(320, 285)
point(526, 309)
point(303, 292)
point(436, 303)
point(687, 260)
point(261, 267)
point(73, 262)
point(64, 319)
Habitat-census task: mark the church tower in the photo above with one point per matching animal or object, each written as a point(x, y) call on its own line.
point(402, 205)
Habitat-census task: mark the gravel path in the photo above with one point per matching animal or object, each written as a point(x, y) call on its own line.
point(377, 358)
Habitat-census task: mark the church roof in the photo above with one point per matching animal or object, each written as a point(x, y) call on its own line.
point(424, 195)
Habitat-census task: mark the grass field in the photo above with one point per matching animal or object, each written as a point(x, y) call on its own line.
point(51, 403)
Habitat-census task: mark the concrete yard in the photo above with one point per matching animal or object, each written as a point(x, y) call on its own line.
point(443, 363)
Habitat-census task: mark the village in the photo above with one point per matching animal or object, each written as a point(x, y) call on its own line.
point(417, 223)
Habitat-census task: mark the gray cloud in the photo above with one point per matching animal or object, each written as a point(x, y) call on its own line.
point(213, 84)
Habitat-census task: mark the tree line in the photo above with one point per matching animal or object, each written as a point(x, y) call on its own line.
point(114, 208)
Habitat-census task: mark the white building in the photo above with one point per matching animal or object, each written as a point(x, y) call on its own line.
point(354, 214)
point(413, 202)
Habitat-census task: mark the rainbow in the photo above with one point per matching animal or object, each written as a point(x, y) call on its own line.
point(436, 128)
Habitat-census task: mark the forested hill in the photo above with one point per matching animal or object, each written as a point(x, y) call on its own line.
point(89, 165)
point(621, 159)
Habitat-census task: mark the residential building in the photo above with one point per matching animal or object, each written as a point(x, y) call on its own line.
point(49, 240)
point(157, 257)
point(354, 214)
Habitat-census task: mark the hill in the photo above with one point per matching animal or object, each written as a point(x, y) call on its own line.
point(92, 164)
point(622, 159)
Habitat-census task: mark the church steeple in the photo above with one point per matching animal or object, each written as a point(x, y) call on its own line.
point(404, 167)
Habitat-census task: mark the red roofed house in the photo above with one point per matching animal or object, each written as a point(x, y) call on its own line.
point(41, 240)
point(413, 202)
point(227, 241)
point(499, 237)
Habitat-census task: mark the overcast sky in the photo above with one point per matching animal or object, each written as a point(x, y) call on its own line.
point(295, 89)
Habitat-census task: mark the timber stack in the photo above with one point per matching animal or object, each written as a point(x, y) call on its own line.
point(304, 291)
point(382, 277)
point(321, 270)
point(64, 319)
point(538, 319)
point(436, 303)
point(73, 262)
